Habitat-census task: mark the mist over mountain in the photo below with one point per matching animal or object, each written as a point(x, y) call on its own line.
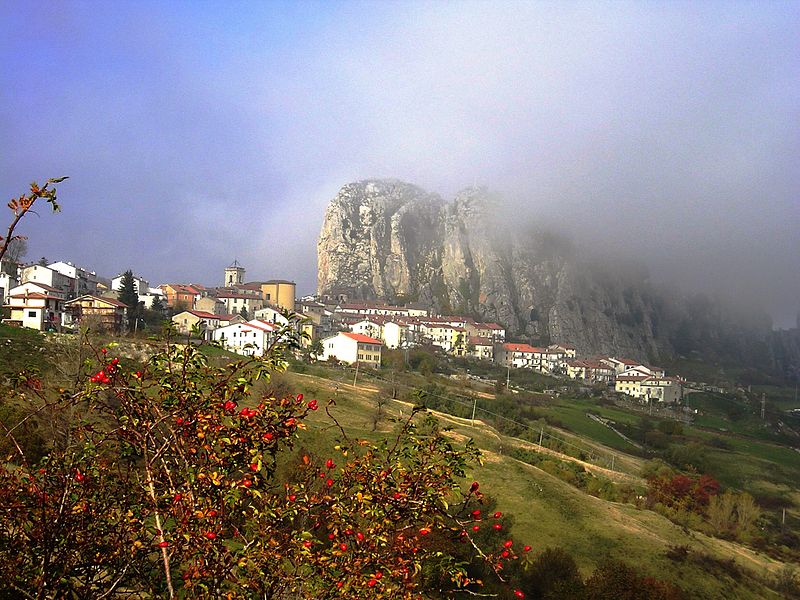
point(390, 240)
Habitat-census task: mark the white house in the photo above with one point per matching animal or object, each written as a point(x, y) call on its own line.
point(351, 347)
point(85, 281)
point(8, 278)
point(662, 389)
point(251, 338)
point(372, 327)
point(141, 286)
point(48, 276)
point(35, 310)
point(271, 315)
point(518, 356)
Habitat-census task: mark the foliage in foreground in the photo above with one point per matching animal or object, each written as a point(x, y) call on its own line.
point(168, 484)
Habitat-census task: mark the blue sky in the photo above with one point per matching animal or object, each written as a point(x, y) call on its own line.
point(199, 132)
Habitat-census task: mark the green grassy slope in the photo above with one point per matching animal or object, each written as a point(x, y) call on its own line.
point(549, 512)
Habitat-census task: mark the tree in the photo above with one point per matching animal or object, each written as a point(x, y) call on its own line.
point(157, 305)
point(127, 295)
point(24, 204)
point(244, 314)
point(17, 249)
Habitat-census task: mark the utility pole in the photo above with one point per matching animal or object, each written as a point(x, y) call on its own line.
point(763, 405)
point(355, 377)
point(541, 435)
point(474, 404)
point(508, 376)
point(613, 456)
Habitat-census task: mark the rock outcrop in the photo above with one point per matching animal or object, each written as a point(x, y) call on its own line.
point(389, 240)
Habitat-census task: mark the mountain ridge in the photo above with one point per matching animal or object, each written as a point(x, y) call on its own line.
point(391, 240)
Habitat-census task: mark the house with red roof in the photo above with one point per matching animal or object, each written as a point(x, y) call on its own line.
point(352, 348)
point(519, 356)
point(178, 294)
point(188, 319)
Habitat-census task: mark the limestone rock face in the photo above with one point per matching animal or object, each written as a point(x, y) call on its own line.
point(389, 240)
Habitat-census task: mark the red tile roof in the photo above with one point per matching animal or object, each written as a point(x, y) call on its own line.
point(521, 348)
point(361, 339)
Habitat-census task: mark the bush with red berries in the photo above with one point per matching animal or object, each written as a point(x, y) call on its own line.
point(169, 484)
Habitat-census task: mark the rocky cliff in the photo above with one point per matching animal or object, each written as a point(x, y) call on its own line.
point(390, 240)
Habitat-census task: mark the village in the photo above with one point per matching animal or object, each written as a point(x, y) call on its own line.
point(244, 317)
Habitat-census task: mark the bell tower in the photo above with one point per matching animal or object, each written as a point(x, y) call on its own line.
point(234, 275)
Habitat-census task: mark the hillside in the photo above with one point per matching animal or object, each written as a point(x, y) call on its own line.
point(549, 512)
point(565, 479)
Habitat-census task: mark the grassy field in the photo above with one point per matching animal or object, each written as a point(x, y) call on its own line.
point(548, 512)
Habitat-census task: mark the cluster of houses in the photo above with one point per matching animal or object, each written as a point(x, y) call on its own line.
point(245, 316)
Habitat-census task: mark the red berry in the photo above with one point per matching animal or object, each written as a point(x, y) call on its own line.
point(339, 584)
point(329, 482)
point(342, 547)
point(79, 477)
point(360, 536)
point(299, 397)
point(313, 405)
point(179, 421)
point(254, 467)
point(115, 361)
point(504, 553)
point(307, 544)
point(378, 575)
point(247, 483)
point(229, 405)
point(212, 513)
point(138, 374)
point(476, 528)
point(211, 535)
point(508, 544)
point(104, 350)
point(268, 437)
point(371, 583)
point(519, 593)
point(177, 498)
point(497, 515)
point(527, 548)
point(397, 495)
point(497, 526)
point(163, 544)
point(476, 514)
point(292, 497)
point(424, 531)
point(329, 464)
point(474, 487)
point(331, 536)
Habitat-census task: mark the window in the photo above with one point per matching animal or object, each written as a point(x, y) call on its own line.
point(32, 314)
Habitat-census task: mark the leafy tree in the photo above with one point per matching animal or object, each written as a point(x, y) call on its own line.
point(127, 295)
point(244, 314)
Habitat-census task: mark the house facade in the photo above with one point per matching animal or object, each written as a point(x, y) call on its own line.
point(41, 274)
point(351, 348)
point(98, 312)
point(35, 310)
point(518, 356)
point(250, 339)
point(189, 319)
